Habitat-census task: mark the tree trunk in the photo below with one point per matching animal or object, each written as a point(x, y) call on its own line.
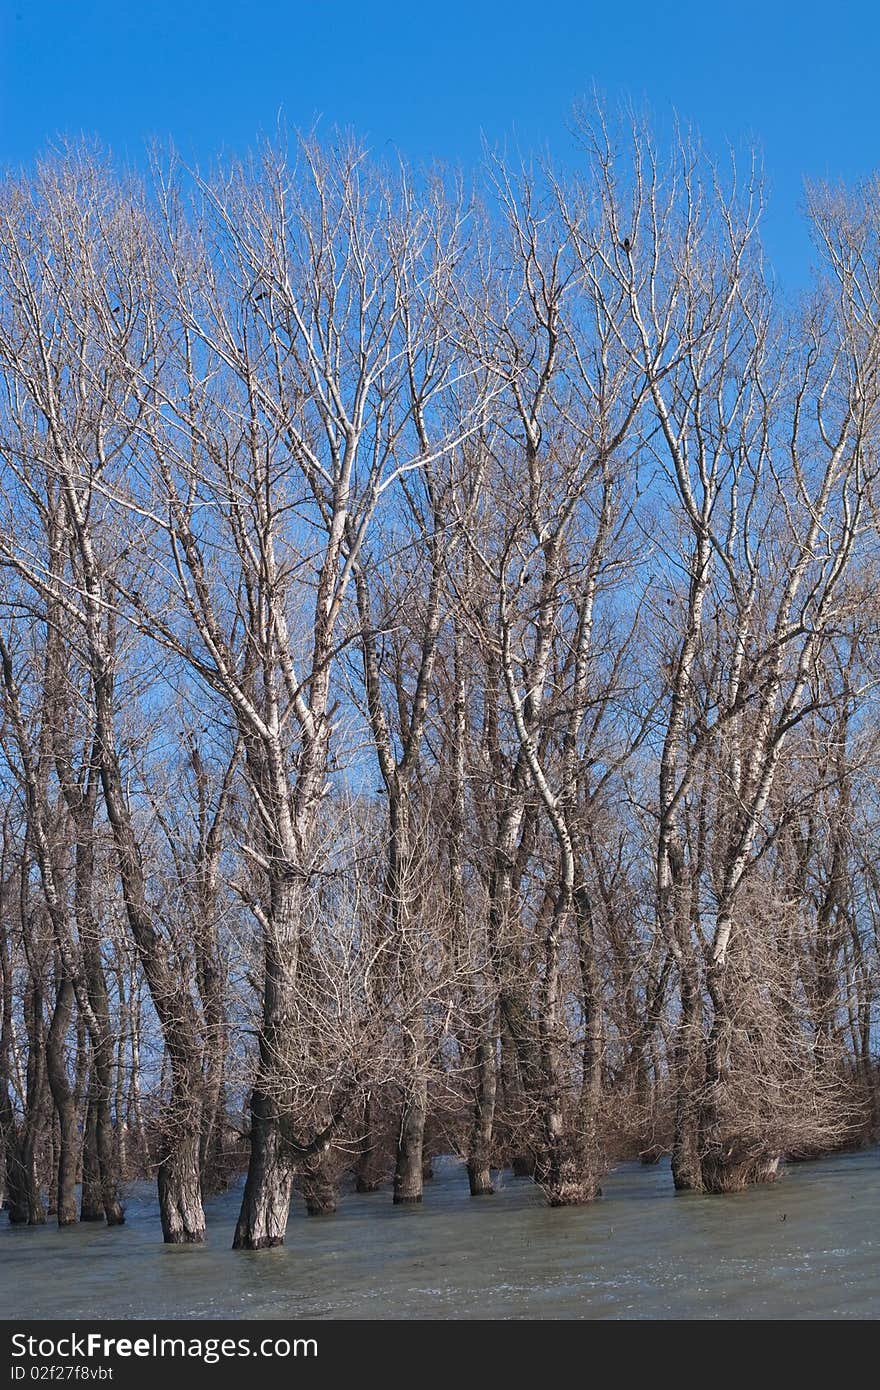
point(408, 1170)
point(686, 1169)
point(210, 1144)
point(107, 1152)
point(520, 1077)
point(22, 1186)
point(480, 1145)
point(265, 1205)
point(728, 1163)
point(591, 1083)
point(91, 1206)
point(102, 1171)
point(178, 1178)
point(369, 1170)
point(25, 1197)
point(562, 1169)
point(65, 1105)
point(317, 1186)
point(408, 1178)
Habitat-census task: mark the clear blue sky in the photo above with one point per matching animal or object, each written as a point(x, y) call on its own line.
point(800, 79)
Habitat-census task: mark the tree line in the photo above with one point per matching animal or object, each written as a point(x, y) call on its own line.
point(438, 635)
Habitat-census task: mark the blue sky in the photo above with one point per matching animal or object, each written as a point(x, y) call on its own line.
point(800, 79)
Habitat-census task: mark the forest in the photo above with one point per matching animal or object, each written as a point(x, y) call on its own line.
point(439, 631)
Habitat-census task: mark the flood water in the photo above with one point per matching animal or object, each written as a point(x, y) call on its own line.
point(808, 1246)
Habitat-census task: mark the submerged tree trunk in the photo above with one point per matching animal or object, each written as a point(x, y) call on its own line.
point(22, 1182)
point(369, 1171)
point(520, 1072)
point(728, 1162)
point(25, 1201)
point(317, 1185)
point(106, 1149)
point(65, 1105)
point(265, 1206)
point(686, 1167)
point(210, 1140)
point(480, 1142)
point(591, 1081)
point(408, 1176)
point(101, 1157)
point(210, 973)
point(408, 1169)
point(178, 1174)
point(91, 1207)
point(563, 1172)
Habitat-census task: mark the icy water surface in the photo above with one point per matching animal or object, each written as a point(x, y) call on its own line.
point(809, 1246)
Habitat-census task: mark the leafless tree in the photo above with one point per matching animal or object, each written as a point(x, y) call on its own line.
point(438, 657)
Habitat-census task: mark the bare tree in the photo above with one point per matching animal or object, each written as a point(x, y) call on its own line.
point(438, 654)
